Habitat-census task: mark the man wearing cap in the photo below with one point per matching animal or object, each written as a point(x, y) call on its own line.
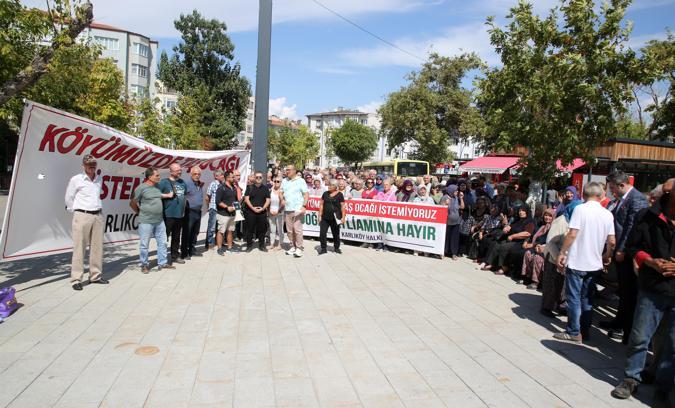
point(83, 199)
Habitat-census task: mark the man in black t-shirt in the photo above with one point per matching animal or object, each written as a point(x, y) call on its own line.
point(226, 202)
point(256, 202)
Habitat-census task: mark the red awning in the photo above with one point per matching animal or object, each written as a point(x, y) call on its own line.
point(568, 169)
point(489, 164)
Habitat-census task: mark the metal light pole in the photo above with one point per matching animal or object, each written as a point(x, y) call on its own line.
point(262, 86)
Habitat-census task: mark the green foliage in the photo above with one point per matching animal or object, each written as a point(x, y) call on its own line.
point(564, 82)
point(433, 108)
point(630, 129)
point(293, 146)
point(658, 64)
point(202, 69)
point(353, 142)
point(149, 124)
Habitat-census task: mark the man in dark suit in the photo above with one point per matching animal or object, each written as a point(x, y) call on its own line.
point(628, 201)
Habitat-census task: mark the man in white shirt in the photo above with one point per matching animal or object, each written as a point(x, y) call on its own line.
point(83, 199)
point(587, 249)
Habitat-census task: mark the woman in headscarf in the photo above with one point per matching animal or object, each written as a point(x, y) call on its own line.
point(437, 193)
point(379, 183)
point(533, 259)
point(454, 200)
point(407, 192)
point(553, 282)
point(489, 233)
point(479, 215)
point(569, 195)
point(514, 235)
point(468, 196)
point(423, 197)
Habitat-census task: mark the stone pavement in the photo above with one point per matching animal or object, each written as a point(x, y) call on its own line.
point(364, 328)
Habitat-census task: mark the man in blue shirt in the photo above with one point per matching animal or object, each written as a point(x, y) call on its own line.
point(174, 209)
point(296, 196)
point(218, 179)
point(194, 195)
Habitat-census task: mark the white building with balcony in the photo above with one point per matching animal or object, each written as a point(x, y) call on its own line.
point(322, 123)
point(245, 137)
point(134, 54)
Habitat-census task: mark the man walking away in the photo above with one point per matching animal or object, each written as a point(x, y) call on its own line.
point(194, 195)
point(256, 202)
point(226, 197)
point(628, 202)
point(147, 203)
point(83, 199)
point(591, 230)
point(218, 179)
point(296, 195)
point(174, 209)
point(652, 246)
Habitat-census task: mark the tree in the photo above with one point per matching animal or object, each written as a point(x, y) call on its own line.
point(563, 84)
point(202, 69)
point(183, 127)
point(434, 109)
point(149, 124)
point(293, 146)
point(353, 142)
point(24, 32)
point(657, 64)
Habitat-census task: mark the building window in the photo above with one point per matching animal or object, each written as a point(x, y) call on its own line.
point(169, 104)
point(249, 129)
point(138, 90)
point(142, 49)
point(111, 44)
point(140, 70)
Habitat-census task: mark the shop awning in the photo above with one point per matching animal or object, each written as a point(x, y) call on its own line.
point(568, 169)
point(489, 164)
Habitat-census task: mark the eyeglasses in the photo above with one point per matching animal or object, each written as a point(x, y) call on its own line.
point(277, 181)
point(258, 178)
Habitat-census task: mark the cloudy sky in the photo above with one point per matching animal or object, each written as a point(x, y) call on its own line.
point(320, 62)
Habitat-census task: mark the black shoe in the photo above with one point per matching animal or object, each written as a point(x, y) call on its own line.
point(187, 258)
point(609, 324)
point(547, 313)
point(100, 281)
point(647, 377)
point(338, 251)
point(625, 389)
point(178, 261)
point(616, 334)
point(77, 286)
point(661, 399)
point(221, 251)
point(322, 251)
point(262, 249)
point(249, 248)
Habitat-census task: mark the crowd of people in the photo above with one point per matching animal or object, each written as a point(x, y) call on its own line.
point(560, 247)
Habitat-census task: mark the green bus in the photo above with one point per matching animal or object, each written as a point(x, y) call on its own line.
point(404, 168)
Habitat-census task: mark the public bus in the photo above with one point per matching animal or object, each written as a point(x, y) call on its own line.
point(403, 168)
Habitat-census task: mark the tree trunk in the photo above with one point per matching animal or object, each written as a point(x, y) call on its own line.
point(40, 63)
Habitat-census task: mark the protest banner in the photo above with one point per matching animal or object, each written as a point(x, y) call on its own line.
point(50, 150)
point(418, 227)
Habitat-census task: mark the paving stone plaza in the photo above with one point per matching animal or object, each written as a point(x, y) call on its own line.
point(362, 329)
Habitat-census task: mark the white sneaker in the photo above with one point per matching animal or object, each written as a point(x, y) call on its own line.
point(298, 253)
point(291, 251)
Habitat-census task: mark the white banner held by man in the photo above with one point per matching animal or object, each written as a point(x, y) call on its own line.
point(49, 152)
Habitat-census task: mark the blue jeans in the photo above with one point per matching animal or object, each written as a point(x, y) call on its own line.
point(580, 291)
point(211, 228)
point(650, 309)
point(147, 231)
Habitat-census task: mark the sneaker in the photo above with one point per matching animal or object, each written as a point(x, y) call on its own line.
point(532, 286)
point(567, 337)
point(291, 251)
point(220, 251)
point(297, 253)
point(178, 261)
point(249, 248)
point(338, 251)
point(322, 251)
point(626, 388)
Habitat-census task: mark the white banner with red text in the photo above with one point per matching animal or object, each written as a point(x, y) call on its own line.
point(419, 227)
point(50, 150)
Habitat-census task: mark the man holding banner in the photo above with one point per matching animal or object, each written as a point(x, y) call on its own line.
point(83, 199)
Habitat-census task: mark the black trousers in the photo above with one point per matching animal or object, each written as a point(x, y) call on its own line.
point(191, 224)
point(452, 240)
point(323, 232)
point(628, 291)
point(464, 243)
point(174, 227)
point(256, 224)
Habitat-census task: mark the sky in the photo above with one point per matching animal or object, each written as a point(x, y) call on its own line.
point(320, 62)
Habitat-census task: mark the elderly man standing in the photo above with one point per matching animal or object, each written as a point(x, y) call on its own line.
point(257, 201)
point(627, 204)
point(194, 195)
point(147, 203)
point(591, 231)
point(83, 199)
point(218, 179)
point(174, 209)
point(296, 196)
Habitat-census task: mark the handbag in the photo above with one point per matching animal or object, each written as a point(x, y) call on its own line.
point(8, 303)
